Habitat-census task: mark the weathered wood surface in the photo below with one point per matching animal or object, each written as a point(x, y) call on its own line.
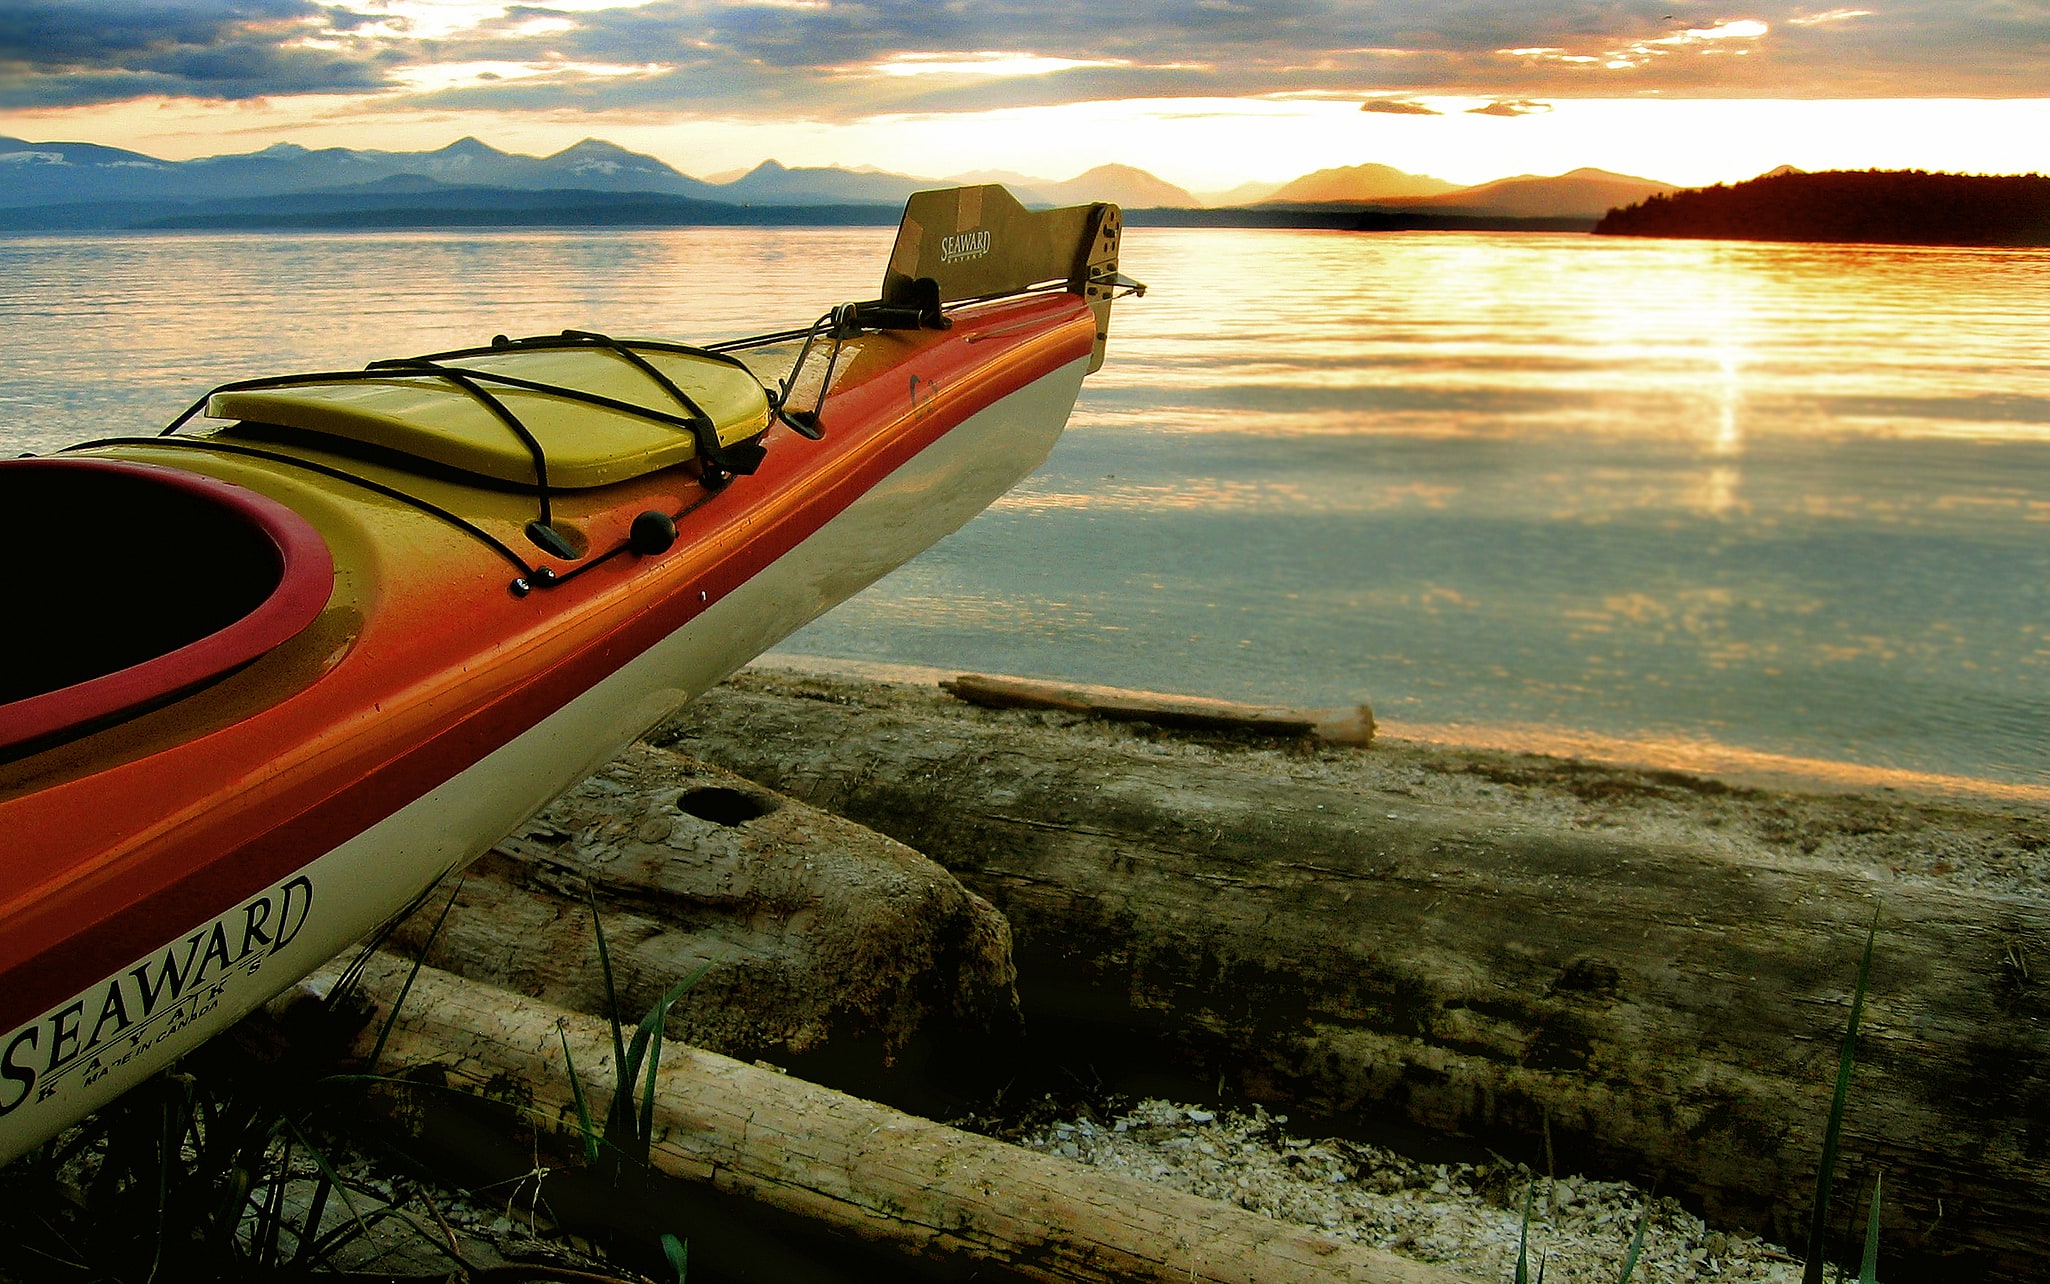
point(827, 947)
point(1651, 972)
point(931, 1191)
point(1354, 726)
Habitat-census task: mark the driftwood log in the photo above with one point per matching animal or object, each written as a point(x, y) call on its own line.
point(932, 1192)
point(818, 944)
point(1354, 726)
point(1645, 973)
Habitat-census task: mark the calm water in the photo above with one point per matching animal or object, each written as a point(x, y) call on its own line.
point(1762, 498)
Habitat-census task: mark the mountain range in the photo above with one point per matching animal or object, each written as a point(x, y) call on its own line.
point(1581, 193)
point(58, 185)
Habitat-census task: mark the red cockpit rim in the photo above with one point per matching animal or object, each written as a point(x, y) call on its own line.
point(266, 529)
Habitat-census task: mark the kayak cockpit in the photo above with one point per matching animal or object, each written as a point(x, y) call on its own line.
point(147, 583)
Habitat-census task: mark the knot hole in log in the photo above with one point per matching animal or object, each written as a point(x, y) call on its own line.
point(724, 806)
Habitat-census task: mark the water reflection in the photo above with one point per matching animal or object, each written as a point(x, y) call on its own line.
point(1787, 502)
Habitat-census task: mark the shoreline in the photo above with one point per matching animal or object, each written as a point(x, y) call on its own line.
point(1730, 764)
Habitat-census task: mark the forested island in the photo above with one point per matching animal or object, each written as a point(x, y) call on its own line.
point(1889, 207)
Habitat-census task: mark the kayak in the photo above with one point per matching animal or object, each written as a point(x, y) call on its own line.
point(276, 671)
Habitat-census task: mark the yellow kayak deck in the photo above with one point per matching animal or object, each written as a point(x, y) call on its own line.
point(598, 411)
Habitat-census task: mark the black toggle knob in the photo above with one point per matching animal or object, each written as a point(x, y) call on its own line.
point(652, 532)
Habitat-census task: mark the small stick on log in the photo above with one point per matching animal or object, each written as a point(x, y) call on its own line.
point(929, 1190)
point(1353, 726)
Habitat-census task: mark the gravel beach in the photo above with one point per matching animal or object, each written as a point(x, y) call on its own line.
point(1468, 1217)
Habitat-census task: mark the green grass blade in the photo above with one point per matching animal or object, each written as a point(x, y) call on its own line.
point(271, 1225)
point(1825, 1175)
point(323, 1245)
point(1868, 1271)
point(391, 1018)
point(651, 1029)
point(1523, 1238)
point(181, 1111)
point(309, 1228)
point(644, 1130)
point(1636, 1246)
point(624, 1126)
point(353, 973)
point(677, 1251)
point(619, 1116)
point(636, 1128)
point(576, 1090)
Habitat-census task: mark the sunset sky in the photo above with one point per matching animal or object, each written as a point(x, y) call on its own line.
point(1205, 93)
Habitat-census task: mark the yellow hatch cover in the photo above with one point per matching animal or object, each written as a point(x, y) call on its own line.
point(431, 417)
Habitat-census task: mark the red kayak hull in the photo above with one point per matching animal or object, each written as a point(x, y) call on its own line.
point(166, 874)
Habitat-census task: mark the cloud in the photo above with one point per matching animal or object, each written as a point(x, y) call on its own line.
point(982, 62)
point(1510, 107)
point(109, 50)
point(1399, 107)
point(1733, 36)
point(1832, 15)
point(346, 20)
point(842, 59)
point(42, 34)
point(552, 71)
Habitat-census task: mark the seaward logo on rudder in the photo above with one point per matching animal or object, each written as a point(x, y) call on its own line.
point(965, 245)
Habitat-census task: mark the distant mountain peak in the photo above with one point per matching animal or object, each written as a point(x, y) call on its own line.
point(1607, 175)
point(1582, 193)
point(1368, 182)
point(1114, 170)
point(470, 145)
point(770, 167)
point(585, 147)
point(1127, 185)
